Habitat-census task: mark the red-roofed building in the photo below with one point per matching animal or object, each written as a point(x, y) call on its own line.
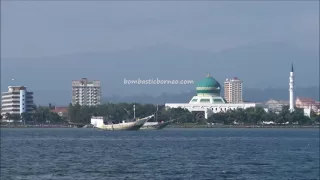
point(61, 111)
point(302, 102)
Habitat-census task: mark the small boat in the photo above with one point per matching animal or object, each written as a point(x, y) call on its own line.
point(88, 126)
point(156, 125)
point(98, 122)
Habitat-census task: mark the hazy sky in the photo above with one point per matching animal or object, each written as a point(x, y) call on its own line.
point(45, 31)
point(36, 29)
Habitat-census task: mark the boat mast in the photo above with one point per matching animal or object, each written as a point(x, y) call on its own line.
point(156, 114)
point(134, 111)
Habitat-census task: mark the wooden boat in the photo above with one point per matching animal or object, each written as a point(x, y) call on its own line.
point(98, 122)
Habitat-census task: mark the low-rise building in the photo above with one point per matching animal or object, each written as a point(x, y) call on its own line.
point(307, 103)
point(61, 111)
point(276, 105)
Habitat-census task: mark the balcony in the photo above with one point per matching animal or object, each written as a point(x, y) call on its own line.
point(10, 97)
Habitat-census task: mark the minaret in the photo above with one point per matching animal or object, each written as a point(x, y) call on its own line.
point(291, 84)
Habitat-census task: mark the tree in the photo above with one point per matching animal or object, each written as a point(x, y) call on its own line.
point(256, 115)
point(26, 117)
point(8, 116)
point(124, 111)
point(315, 118)
point(15, 117)
point(42, 115)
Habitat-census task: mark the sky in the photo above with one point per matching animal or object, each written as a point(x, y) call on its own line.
point(38, 29)
point(52, 30)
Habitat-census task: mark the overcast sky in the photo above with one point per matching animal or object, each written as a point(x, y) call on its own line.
point(37, 29)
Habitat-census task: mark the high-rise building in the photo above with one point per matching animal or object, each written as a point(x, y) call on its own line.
point(17, 100)
point(86, 93)
point(233, 90)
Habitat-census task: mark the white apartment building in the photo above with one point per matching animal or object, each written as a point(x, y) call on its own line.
point(233, 90)
point(17, 100)
point(86, 93)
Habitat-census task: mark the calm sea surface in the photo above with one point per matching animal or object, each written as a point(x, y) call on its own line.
point(85, 154)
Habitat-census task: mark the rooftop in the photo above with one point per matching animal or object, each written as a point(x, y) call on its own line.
point(232, 79)
point(305, 100)
point(60, 109)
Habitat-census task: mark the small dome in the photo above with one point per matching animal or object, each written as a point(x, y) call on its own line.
point(209, 85)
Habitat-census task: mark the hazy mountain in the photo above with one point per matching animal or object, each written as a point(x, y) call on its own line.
point(250, 94)
point(260, 66)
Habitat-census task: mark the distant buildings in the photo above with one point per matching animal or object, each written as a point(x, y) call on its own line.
point(308, 103)
point(17, 100)
point(276, 105)
point(301, 102)
point(233, 90)
point(86, 93)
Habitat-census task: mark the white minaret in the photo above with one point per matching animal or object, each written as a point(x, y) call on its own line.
point(291, 84)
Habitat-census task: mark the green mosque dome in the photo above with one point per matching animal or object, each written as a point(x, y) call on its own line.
point(208, 86)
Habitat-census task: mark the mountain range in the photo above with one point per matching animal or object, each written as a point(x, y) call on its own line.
point(249, 94)
point(261, 66)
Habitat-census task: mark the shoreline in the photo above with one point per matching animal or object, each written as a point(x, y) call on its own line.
point(188, 126)
point(243, 126)
point(37, 126)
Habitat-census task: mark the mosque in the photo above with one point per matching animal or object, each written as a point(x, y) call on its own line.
point(208, 100)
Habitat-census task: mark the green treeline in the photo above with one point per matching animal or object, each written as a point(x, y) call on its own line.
point(249, 116)
point(257, 115)
point(124, 111)
point(41, 115)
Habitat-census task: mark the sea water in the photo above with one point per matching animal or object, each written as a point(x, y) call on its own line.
point(248, 154)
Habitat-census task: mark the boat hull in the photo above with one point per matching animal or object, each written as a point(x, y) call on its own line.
point(156, 126)
point(133, 126)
